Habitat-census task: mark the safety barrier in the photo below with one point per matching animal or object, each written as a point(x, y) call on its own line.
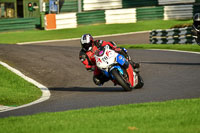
point(68, 6)
point(172, 36)
point(170, 2)
point(92, 5)
point(178, 12)
point(101, 4)
point(19, 24)
point(67, 20)
point(120, 16)
point(138, 3)
point(60, 21)
point(150, 13)
point(92, 17)
point(130, 15)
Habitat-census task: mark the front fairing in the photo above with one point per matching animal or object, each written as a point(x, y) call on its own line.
point(107, 59)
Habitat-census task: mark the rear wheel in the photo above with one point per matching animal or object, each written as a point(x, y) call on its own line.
point(121, 80)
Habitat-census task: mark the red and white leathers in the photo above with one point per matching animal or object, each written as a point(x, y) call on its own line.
point(88, 59)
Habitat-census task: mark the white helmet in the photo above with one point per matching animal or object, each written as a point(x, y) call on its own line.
point(86, 41)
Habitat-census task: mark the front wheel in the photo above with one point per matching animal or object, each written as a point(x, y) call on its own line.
point(120, 79)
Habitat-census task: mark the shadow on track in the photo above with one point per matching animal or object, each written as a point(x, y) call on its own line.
point(87, 89)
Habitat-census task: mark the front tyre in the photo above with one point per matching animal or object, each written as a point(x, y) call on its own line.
point(120, 79)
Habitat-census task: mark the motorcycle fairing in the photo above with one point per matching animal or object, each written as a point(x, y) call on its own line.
point(120, 59)
point(132, 76)
point(108, 74)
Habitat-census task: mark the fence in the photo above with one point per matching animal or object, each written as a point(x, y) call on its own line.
point(19, 24)
point(172, 36)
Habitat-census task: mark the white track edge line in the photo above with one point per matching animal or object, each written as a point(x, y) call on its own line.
point(180, 51)
point(120, 34)
point(45, 91)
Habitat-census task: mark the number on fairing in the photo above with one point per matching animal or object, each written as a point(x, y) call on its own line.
point(105, 59)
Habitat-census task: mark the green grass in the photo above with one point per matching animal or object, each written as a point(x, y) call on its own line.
point(103, 29)
point(14, 90)
point(177, 116)
point(183, 47)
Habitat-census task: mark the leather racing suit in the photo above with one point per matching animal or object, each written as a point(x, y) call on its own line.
point(88, 59)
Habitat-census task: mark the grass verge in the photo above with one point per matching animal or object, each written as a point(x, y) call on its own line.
point(103, 29)
point(177, 116)
point(14, 90)
point(183, 47)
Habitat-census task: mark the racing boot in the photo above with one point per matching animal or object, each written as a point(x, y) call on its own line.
point(97, 81)
point(100, 79)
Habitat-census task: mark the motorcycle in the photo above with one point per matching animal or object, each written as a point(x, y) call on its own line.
point(117, 68)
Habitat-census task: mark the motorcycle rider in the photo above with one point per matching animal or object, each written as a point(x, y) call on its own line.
point(196, 27)
point(86, 55)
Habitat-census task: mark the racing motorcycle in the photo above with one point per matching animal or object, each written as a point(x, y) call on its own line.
point(117, 68)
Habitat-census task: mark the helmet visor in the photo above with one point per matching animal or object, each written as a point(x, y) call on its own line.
point(87, 45)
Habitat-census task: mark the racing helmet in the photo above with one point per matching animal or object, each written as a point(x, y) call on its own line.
point(86, 41)
point(196, 22)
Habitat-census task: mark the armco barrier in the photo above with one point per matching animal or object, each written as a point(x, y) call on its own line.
point(68, 6)
point(120, 16)
point(146, 13)
point(170, 2)
point(138, 3)
point(101, 4)
point(60, 21)
point(172, 36)
point(67, 20)
point(178, 12)
point(19, 24)
point(92, 17)
point(129, 15)
point(92, 5)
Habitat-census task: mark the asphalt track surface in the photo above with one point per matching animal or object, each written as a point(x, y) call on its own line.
point(167, 75)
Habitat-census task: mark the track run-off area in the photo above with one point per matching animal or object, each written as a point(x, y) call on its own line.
point(167, 75)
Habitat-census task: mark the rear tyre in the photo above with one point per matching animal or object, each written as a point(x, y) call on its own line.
point(120, 79)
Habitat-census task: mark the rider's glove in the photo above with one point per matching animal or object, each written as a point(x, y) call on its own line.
point(90, 69)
